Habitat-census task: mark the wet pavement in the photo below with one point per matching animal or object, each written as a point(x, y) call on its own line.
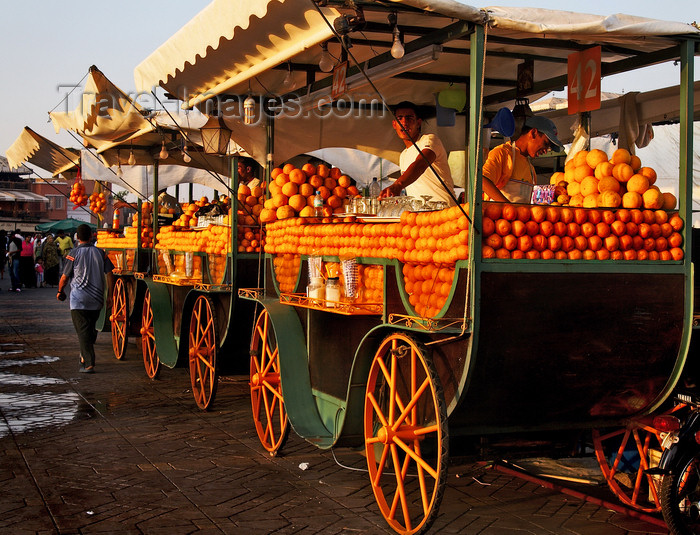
point(115, 452)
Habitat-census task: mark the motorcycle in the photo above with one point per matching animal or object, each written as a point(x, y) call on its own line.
point(679, 467)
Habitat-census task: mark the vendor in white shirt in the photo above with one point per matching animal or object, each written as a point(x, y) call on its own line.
point(417, 177)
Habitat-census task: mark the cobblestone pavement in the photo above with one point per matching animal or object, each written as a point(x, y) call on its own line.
point(115, 452)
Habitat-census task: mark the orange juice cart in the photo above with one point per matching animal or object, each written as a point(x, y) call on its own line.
point(191, 315)
point(478, 319)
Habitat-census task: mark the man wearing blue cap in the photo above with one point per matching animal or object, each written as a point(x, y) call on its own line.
point(508, 175)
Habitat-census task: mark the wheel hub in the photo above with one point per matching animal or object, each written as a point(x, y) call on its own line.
point(273, 379)
point(406, 433)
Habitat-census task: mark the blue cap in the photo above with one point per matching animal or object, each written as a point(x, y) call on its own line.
point(547, 127)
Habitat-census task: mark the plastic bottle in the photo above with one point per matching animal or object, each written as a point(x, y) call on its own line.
point(318, 204)
point(374, 188)
point(115, 220)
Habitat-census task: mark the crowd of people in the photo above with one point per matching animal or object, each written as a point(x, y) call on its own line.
point(32, 260)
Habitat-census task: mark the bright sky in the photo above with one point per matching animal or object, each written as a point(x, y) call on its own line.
point(48, 46)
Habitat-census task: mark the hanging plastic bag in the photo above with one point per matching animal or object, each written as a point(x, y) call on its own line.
point(579, 143)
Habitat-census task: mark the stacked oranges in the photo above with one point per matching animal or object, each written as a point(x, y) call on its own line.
point(129, 241)
point(146, 225)
point(439, 237)
point(250, 203)
point(553, 232)
point(214, 240)
point(286, 271)
point(292, 191)
point(98, 202)
point(591, 180)
point(113, 240)
point(428, 287)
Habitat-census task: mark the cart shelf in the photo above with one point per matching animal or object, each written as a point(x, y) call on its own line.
point(251, 293)
point(430, 324)
point(205, 287)
point(176, 282)
point(347, 309)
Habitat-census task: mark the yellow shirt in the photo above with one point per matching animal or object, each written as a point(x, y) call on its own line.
point(510, 171)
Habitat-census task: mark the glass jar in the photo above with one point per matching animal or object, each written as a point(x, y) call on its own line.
point(332, 292)
point(316, 289)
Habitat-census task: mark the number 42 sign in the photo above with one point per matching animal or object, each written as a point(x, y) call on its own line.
point(584, 80)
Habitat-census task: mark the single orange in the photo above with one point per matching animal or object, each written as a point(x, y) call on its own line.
point(621, 156)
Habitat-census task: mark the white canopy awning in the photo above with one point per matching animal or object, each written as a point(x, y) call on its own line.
point(106, 115)
point(138, 179)
point(228, 44)
point(235, 49)
point(241, 39)
point(15, 195)
point(117, 126)
point(35, 149)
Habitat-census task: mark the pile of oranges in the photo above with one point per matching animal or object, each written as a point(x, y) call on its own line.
point(98, 202)
point(591, 180)
point(428, 287)
point(286, 271)
point(435, 237)
point(250, 204)
point(249, 239)
point(554, 232)
point(187, 219)
point(77, 194)
point(292, 191)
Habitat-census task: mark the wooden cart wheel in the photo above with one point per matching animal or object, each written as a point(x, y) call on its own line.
point(269, 414)
point(202, 338)
point(151, 362)
point(406, 439)
point(624, 454)
point(119, 319)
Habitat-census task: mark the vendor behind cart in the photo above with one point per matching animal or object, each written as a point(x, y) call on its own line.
point(508, 174)
point(417, 177)
point(247, 172)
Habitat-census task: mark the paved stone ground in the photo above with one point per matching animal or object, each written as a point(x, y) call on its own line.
point(115, 452)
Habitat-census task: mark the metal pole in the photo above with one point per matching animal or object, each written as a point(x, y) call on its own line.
point(154, 212)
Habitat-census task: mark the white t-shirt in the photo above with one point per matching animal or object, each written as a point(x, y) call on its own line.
point(427, 183)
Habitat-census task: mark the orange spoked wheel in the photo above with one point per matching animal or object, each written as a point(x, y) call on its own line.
point(405, 428)
point(202, 338)
point(624, 454)
point(119, 319)
point(269, 414)
point(151, 362)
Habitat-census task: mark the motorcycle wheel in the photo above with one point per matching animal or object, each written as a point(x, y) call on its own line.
point(680, 497)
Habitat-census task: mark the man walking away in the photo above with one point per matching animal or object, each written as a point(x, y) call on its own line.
point(85, 268)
